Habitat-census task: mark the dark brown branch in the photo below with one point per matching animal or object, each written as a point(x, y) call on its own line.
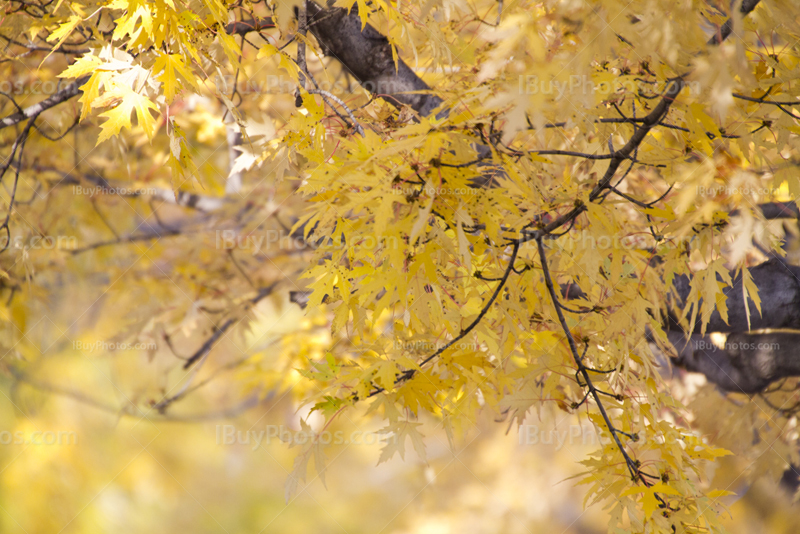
point(727, 28)
point(19, 145)
point(746, 363)
point(407, 375)
point(37, 109)
point(763, 100)
point(367, 55)
point(582, 369)
point(778, 288)
point(776, 210)
point(571, 153)
point(212, 340)
point(243, 27)
point(616, 120)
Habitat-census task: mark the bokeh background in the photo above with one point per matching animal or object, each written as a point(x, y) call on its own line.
point(78, 454)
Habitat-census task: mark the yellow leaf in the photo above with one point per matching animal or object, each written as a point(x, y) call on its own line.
point(167, 65)
point(91, 90)
point(62, 33)
point(663, 488)
point(665, 213)
point(266, 50)
point(649, 503)
point(120, 116)
point(229, 46)
point(340, 317)
point(386, 374)
point(84, 65)
point(749, 290)
point(472, 307)
point(422, 220)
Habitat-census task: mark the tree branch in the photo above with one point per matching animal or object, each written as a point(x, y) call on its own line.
point(63, 95)
point(778, 288)
point(746, 363)
point(367, 55)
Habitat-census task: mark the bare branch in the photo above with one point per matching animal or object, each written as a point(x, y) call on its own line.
point(37, 109)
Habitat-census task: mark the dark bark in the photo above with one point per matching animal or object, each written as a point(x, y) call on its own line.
point(754, 355)
point(367, 55)
point(727, 28)
point(243, 27)
point(779, 289)
point(750, 361)
point(747, 363)
point(777, 210)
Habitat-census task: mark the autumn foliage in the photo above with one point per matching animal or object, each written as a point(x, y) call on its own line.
point(416, 215)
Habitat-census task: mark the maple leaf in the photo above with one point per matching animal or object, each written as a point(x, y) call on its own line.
point(91, 91)
point(649, 499)
point(83, 65)
point(407, 229)
point(120, 116)
point(396, 435)
point(168, 65)
point(64, 30)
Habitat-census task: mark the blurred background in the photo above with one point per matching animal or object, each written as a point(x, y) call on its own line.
point(78, 454)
